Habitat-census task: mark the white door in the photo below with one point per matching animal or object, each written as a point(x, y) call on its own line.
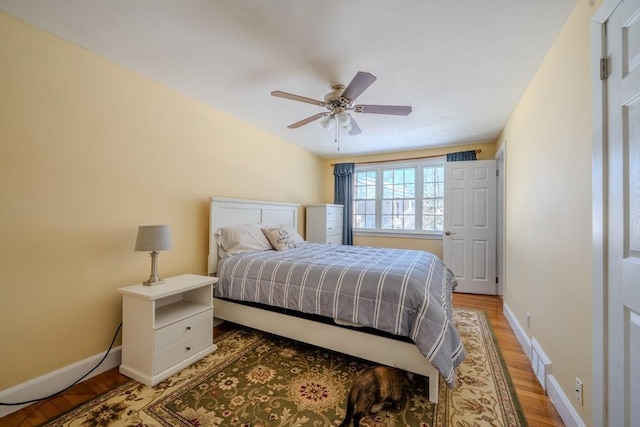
point(623, 243)
point(469, 241)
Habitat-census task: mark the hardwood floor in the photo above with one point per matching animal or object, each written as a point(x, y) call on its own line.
point(537, 406)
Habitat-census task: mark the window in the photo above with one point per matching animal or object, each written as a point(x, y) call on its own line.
point(399, 197)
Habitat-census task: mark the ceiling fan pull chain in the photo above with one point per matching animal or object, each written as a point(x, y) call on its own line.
point(337, 140)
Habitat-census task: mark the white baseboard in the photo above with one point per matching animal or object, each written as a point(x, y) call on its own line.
point(55, 381)
point(564, 407)
point(562, 404)
point(521, 335)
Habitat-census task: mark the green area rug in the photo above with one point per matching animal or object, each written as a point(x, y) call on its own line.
point(256, 379)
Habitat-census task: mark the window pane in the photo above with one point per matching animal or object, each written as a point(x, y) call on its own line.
point(428, 206)
point(427, 222)
point(409, 222)
point(387, 192)
point(361, 192)
point(429, 190)
point(371, 207)
point(371, 221)
point(410, 175)
point(387, 207)
point(410, 191)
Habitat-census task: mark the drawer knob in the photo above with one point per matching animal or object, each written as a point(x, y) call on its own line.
point(188, 348)
point(188, 328)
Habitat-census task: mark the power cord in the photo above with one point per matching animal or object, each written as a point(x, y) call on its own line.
point(76, 382)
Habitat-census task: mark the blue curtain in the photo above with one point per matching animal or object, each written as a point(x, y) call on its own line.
point(343, 195)
point(462, 156)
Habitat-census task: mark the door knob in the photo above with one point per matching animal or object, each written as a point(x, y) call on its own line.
point(448, 233)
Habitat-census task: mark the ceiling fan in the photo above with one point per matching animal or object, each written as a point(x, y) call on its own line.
point(340, 101)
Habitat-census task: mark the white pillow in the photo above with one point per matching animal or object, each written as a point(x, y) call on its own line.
point(237, 239)
point(279, 237)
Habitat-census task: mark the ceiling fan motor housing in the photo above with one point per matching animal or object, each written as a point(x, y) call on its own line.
point(335, 94)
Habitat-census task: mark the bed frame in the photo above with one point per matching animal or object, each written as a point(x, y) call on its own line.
point(386, 351)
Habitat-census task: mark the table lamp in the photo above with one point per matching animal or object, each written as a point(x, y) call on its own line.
point(153, 238)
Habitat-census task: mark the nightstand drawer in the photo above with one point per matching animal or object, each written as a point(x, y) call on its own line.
point(170, 334)
point(336, 239)
point(174, 354)
point(334, 227)
point(334, 214)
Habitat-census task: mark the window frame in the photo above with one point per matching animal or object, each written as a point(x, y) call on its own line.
point(378, 168)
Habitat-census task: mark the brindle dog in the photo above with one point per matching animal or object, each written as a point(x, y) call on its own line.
point(373, 389)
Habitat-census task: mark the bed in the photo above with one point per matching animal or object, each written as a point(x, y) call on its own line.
point(306, 291)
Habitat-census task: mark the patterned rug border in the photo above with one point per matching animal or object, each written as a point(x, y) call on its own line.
point(113, 391)
point(505, 369)
point(131, 386)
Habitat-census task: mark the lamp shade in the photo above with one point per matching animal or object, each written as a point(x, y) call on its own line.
point(153, 238)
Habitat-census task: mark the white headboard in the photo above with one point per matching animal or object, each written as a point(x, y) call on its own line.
point(225, 212)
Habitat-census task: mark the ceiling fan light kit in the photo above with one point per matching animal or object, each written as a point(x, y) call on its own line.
point(341, 100)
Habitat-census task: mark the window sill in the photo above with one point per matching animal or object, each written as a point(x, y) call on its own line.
point(398, 234)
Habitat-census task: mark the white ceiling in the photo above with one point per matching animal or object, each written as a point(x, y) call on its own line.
point(461, 64)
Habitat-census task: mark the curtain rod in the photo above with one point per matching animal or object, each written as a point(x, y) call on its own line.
point(478, 151)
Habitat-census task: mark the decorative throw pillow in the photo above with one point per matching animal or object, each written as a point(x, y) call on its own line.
point(279, 237)
point(242, 238)
point(297, 239)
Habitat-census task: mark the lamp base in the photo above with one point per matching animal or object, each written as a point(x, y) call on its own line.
point(153, 279)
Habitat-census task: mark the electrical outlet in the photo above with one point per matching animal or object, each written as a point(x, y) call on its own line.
point(528, 320)
point(579, 390)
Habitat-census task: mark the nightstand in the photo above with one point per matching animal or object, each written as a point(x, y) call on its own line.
point(166, 327)
point(324, 224)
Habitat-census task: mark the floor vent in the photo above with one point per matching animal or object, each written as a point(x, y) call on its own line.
point(540, 362)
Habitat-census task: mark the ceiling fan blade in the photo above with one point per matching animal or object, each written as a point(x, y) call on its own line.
point(355, 129)
point(305, 121)
point(359, 84)
point(396, 110)
point(297, 98)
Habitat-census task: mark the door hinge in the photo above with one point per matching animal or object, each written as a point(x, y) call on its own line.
point(496, 279)
point(604, 69)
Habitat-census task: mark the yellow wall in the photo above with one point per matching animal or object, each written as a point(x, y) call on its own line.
point(89, 151)
point(548, 206)
point(425, 244)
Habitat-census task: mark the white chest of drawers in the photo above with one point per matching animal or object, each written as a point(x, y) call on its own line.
point(324, 224)
point(166, 327)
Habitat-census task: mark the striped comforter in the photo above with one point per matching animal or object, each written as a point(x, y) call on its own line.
point(402, 292)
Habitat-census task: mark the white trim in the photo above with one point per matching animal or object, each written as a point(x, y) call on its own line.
point(501, 215)
point(361, 232)
point(562, 404)
point(57, 380)
point(599, 215)
point(521, 335)
point(564, 407)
